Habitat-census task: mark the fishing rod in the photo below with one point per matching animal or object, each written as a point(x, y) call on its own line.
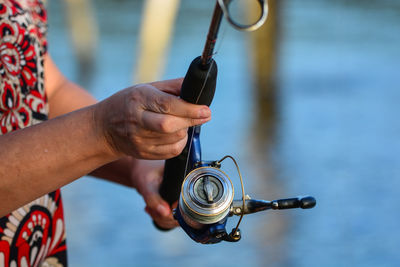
point(203, 191)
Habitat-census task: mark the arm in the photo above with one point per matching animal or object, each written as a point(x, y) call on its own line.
point(60, 91)
point(39, 159)
point(145, 176)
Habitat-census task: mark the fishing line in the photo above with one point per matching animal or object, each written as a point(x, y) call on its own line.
point(224, 29)
point(192, 133)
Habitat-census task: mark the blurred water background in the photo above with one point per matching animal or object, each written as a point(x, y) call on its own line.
point(335, 135)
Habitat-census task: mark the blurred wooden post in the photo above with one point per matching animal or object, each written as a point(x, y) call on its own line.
point(264, 60)
point(84, 31)
point(264, 51)
point(156, 29)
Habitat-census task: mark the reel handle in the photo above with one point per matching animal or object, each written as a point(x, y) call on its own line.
point(307, 202)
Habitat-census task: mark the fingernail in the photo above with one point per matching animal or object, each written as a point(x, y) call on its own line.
point(163, 211)
point(204, 112)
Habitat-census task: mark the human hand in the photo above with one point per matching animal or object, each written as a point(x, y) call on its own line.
point(146, 178)
point(148, 121)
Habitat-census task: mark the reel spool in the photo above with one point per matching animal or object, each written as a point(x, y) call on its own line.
point(206, 197)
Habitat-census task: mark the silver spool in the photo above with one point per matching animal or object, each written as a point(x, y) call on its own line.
point(206, 196)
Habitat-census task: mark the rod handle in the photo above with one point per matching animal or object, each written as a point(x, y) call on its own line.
point(198, 87)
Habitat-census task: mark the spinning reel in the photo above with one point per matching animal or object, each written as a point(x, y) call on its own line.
point(204, 191)
point(206, 201)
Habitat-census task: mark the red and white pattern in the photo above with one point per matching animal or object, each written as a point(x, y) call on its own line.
point(22, 47)
point(33, 235)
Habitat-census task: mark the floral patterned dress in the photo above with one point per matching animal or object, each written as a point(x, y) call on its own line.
point(33, 235)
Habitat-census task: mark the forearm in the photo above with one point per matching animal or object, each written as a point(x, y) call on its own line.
point(41, 158)
point(119, 171)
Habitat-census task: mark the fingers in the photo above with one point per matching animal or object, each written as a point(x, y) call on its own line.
point(146, 178)
point(160, 211)
point(172, 86)
point(164, 103)
point(162, 151)
point(155, 138)
point(168, 124)
point(147, 121)
point(165, 113)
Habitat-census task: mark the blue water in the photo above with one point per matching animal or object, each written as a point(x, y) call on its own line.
point(337, 137)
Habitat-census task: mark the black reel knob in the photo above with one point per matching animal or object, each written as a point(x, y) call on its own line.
point(307, 202)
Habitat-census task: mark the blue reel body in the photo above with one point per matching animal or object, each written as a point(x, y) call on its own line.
point(207, 233)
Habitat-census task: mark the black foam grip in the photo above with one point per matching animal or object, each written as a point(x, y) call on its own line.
point(174, 172)
point(198, 87)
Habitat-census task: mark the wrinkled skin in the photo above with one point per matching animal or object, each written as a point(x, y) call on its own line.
point(148, 121)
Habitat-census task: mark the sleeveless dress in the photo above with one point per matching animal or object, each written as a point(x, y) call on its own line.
point(33, 235)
